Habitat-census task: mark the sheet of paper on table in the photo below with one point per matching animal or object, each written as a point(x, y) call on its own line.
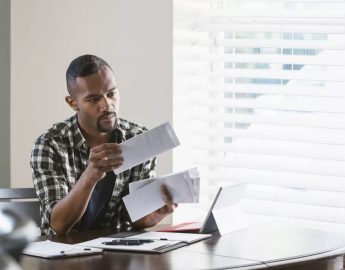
point(49, 249)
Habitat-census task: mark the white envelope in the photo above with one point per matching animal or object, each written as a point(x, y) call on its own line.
point(147, 145)
point(184, 186)
point(145, 195)
point(144, 201)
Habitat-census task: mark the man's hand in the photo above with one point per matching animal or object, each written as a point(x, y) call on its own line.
point(156, 216)
point(103, 158)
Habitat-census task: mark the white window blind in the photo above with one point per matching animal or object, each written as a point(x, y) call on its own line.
point(259, 96)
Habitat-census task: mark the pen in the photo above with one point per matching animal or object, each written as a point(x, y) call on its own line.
point(70, 251)
point(127, 242)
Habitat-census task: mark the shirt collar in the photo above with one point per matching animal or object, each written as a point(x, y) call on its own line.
point(79, 139)
point(119, 132)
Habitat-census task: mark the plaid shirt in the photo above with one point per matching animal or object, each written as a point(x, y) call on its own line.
point(61, 155)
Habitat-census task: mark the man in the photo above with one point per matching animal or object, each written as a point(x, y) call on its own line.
point(73, 162)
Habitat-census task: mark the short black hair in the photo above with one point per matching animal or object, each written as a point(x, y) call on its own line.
point(83, 66)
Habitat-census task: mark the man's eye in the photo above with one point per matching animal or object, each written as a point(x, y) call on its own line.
point(93, 100)
point(111, 94)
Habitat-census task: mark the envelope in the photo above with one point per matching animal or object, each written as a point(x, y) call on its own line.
point(147, 145)
point(145, 195)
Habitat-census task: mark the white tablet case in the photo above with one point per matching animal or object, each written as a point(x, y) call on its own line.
point(225, 214)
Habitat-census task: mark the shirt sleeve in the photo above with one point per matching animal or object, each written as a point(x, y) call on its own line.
point(48, 177)
point(149, 169)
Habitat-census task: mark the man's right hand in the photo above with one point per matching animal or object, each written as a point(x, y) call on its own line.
point(103, 158)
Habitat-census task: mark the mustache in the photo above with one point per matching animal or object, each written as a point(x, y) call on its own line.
point(106, 114)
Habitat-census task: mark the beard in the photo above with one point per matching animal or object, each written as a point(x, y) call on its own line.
point(107, 128)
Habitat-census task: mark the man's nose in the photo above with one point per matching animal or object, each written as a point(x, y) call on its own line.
point(105, 104)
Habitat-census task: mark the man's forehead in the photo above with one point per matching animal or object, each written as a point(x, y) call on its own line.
point(102, 80)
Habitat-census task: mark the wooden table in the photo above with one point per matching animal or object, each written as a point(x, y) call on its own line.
point(257, 247)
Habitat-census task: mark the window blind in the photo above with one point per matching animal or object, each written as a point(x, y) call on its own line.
point(259, 96)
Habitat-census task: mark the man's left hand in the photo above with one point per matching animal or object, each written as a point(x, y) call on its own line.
point(156, 216)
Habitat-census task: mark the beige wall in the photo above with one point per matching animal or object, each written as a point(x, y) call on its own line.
point(134, 36)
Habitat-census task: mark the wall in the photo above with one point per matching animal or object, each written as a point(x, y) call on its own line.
point(5, 88)
point(135, 37)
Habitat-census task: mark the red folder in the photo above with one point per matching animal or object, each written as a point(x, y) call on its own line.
point(188, 227)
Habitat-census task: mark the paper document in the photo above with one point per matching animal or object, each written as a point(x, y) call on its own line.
point(184, 237)
point(151, 242)
point(145, 196)
point(147, 145)
point(154, 246)
point(49, 249)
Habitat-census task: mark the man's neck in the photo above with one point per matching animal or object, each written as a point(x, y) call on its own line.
point(93, 140)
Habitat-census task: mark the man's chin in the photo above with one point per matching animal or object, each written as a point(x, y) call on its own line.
point(106, 128)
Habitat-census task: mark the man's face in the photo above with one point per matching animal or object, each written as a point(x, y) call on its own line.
point(97, 101)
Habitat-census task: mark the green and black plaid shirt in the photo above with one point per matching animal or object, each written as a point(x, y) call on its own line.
point(61, 155)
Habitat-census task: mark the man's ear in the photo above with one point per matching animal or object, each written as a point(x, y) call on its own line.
point(72, 103)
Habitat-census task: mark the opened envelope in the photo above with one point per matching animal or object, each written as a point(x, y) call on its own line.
point(147, 145)
point(145, 195)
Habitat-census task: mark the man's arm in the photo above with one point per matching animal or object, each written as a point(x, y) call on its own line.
point(68, 208)
point(68, 211)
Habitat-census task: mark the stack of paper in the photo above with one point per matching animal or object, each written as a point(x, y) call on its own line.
point(145, 195)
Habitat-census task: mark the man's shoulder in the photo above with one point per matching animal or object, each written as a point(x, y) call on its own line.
point(59, 132)
point(130, 129)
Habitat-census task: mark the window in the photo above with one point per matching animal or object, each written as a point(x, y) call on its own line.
point(259, 96)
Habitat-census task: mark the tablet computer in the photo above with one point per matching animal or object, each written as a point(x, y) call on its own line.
point(226, 197)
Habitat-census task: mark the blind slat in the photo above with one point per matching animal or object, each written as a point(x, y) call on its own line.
point(327, 105)
point(274, 163)
point(294, 44)
point(305, 75)
point(337, 89)
point(297, 196)
point(266, 132)
point(332, 59)
point(278, 13)
point(306, 212)
point(277, 148)
point(277, 178)
point(273, 28)
point(205, 41)
point(316, 120)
